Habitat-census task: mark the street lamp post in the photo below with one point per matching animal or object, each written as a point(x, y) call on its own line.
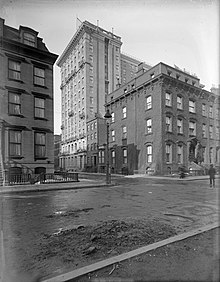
point(107, 116)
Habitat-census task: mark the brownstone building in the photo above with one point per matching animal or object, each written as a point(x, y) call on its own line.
point(162, 120)
point(26, 102)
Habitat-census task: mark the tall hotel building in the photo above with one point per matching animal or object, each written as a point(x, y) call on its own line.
point(91, 67)
point(26, 102)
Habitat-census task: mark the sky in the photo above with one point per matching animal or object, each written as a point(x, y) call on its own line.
point(184, 33)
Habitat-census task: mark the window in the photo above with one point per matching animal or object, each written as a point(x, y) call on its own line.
point(40, 145)
point(95, 135)
point(113, 157)
point(180, 154)
point(14, 70)
point(15, 143)
point(124, 132)
point(192, 106)
point(211, 155)
point(204, 130)
point(124, 112)
point(211, 131)
point(168, 153)
point(101, 157)
point(217, 133)
point(179, 102)
point(211, 112)
point(149, 126)
point(168, 100)
point(91, 100)
point(39, 76)
point(192, 128)
point(14, 101)
point(125, 156)
point(29, 39)
point(204, 110)
point(179, 126)
point(95, 125)
point(39, 107)
point(168, 124)
point(149, 154)
point(113, 135)
point(113, 117)
point(217, 113)
point(148, 103)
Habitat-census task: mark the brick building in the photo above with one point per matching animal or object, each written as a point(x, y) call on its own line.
point(26, 101)
point(91, 67)
point(161, 120)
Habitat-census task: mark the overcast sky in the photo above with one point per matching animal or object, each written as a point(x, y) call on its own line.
point(180, 32)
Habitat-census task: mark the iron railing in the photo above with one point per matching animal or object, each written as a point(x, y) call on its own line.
point(43, 178)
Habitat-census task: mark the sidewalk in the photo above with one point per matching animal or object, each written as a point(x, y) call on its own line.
point(83, 183)
point(187, 178)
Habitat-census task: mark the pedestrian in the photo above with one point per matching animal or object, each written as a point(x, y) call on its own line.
point(211, 172)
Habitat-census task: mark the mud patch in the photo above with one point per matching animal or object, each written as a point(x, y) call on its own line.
point(72, 213)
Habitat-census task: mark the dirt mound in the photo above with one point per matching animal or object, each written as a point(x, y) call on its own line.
point(84, 245)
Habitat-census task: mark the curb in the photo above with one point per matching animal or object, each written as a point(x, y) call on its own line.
point(42, 188)
point(101, 264)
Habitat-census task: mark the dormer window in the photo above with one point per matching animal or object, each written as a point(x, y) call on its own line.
point(29, 39)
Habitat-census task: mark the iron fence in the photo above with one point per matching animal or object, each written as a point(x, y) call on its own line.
point(43, 178)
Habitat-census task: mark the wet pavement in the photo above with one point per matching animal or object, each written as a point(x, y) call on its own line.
point(26, 216)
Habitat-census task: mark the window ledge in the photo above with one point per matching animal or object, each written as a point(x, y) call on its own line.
point(16, 115)
point(41, 86)
point(39, 118)
point(150, 133)
point(179, 109)
point(148, 109)
point(170, 132)
point(16, 157)
point(181, 134)
point(17, 80)
point(40, 158)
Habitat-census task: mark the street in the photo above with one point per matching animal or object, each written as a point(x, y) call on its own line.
point(26, 216)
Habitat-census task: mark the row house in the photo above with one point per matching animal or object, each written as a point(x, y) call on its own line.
point(26, 101)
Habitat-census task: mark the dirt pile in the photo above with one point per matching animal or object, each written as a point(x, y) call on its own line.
point(84, 245)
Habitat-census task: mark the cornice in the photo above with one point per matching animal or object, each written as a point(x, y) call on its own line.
point(20, 49)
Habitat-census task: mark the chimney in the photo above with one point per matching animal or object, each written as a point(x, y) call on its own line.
point(2, 22)
point(140, 69)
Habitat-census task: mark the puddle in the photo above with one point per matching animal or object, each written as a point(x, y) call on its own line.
point(64, 213)
point(105, 206)
point(179, 217)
